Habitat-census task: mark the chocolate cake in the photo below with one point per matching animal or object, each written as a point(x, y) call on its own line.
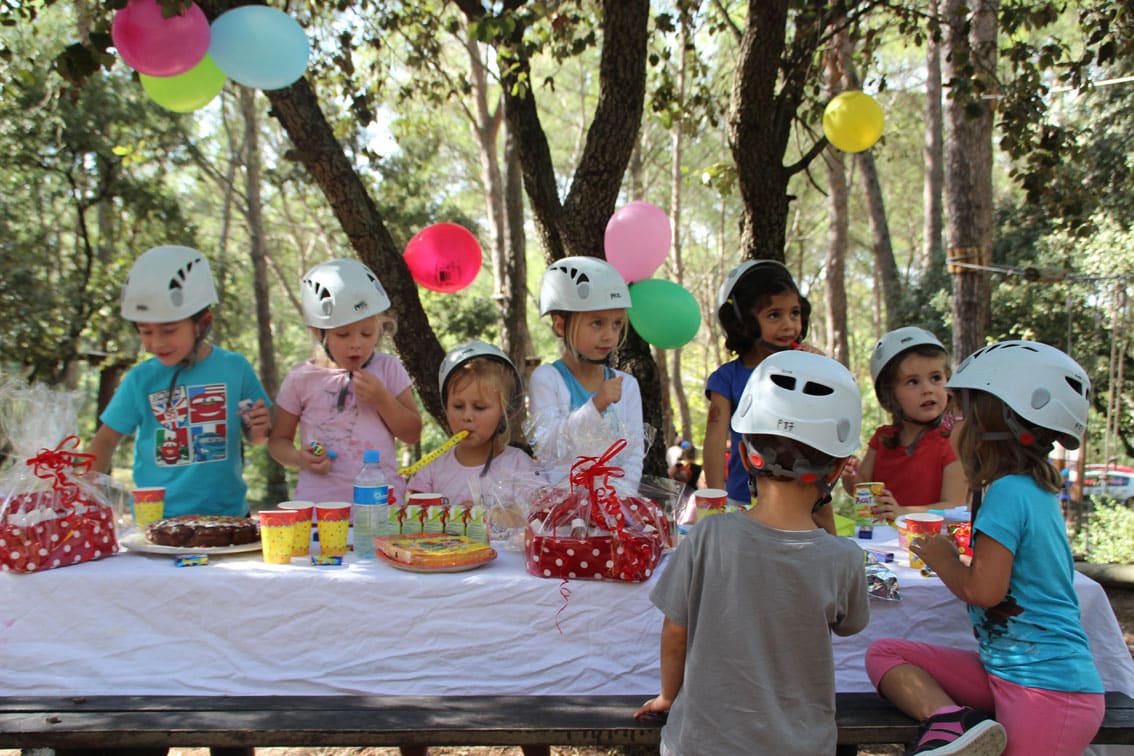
point(202, 531)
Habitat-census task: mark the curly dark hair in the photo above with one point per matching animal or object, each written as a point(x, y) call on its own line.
point(752, 292)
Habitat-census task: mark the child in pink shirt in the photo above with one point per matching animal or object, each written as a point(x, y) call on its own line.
point(349, 397)
point(481, 389)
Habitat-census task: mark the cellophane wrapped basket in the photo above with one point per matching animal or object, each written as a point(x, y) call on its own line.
point(590, 532)
point(53, 512)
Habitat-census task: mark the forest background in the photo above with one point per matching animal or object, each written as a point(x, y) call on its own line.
point(997, 204)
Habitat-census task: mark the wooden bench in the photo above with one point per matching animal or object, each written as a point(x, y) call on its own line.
point(343, 721)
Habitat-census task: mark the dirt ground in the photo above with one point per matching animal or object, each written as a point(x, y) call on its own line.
point(1121, 599)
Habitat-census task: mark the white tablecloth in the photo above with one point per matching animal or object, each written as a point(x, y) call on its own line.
point(136, 624)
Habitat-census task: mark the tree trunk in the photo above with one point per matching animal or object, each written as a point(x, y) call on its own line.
point(668, 429)
point(884, 265)
point(503, 195)
point(933, 251)
point(768, 87)
point(575, 226)
point(676, 183)
point(317, 148)
point(838, 222)
point(968, 166)
point(269, 376)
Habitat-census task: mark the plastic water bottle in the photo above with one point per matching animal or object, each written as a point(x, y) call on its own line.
point(371, 504)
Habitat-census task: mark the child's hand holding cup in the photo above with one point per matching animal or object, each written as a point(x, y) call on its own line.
point(921, 525)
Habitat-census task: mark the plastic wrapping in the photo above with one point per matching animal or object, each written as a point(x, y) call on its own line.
point(53, 511)
point(881, 582)
point(506, 507)
point(624, 535)
point(557, 443)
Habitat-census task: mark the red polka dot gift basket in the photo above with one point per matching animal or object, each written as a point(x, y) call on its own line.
point(591, 531)
point(53, 511)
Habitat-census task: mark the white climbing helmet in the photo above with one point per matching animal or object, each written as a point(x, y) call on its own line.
point(734, 276)
point(167, 284)
point(340, 292)
point(802, 396)
point(582, 284)
point(459, 355)
point(897, 341)
point(1043, 386)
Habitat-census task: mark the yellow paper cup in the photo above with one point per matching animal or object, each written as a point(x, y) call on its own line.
point(333, 518)
point(149, 506)
point(922, 525)
point(277, 532)
point(305, 510)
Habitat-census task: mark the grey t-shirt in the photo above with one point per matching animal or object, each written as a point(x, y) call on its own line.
point(759, 606)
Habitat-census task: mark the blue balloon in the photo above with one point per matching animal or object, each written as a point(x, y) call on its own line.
point(259, 47)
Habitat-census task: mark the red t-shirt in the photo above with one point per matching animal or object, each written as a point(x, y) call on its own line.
point(913, 479)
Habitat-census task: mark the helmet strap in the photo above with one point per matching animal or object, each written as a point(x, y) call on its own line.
point(340, 402)
point(773, 347)
point(202, 324)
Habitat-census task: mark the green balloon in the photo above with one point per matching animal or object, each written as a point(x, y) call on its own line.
point(663, 313)
point(186, 92)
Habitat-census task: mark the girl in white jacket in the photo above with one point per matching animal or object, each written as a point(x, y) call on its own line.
point(579, 405)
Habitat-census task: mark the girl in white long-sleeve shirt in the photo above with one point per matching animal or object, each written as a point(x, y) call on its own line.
point(579, 405)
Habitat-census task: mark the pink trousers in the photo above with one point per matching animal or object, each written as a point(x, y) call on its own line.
point(1051, 722)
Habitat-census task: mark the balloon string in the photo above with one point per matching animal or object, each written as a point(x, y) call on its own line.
point(432, 456)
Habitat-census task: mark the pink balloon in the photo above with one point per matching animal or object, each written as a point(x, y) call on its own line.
point(443, 257)
point(637, 240)
point(159, 46)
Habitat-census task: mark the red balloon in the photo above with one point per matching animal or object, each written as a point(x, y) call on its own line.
point(158, 46)
point(443, 257)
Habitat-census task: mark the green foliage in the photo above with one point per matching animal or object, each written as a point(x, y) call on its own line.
point(82, 191)
point(1107, 534)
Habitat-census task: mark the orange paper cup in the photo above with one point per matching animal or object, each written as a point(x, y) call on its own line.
point(334, 524)
point(277, 534)
point(922, 525)
point(304, 510)
point(710, 501)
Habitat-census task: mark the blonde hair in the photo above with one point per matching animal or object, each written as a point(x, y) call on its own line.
point(386, 323)
point(986, 460)
point(494, 378)
point(571, 325)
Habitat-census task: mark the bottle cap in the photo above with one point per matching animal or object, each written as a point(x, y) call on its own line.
point(371, 455)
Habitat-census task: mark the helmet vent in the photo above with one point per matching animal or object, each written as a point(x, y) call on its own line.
point(176, 293)
point(783, 381)
point(817, 389)
point(1077, 386)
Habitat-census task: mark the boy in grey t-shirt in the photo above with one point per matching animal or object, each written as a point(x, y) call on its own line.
point(751, 598)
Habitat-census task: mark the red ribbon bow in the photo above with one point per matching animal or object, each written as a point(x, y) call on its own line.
point(585, 473)
point(59, 464)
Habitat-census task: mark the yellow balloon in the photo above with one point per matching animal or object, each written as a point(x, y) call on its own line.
point(853, 121)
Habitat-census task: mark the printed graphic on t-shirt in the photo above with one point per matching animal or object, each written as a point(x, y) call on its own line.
point(192, 426)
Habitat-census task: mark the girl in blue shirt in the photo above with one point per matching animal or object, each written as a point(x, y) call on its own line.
point(761, 312)
point(1034, 671)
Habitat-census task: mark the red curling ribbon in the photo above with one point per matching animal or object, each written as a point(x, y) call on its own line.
point(565, 592)
point(59, 463)
point(585, 473)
